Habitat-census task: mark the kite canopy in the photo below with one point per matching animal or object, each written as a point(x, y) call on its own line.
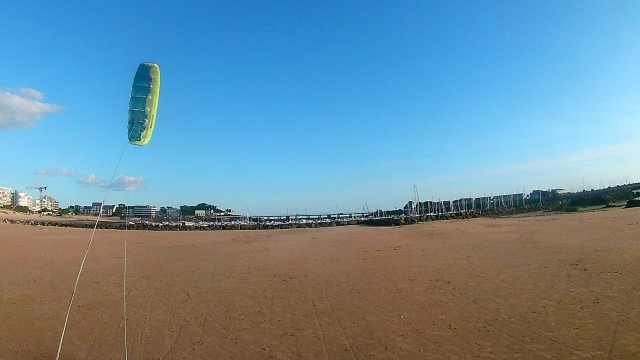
point(144, 103)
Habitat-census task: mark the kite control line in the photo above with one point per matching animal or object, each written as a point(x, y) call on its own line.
point(124, 281)
point(75, 286)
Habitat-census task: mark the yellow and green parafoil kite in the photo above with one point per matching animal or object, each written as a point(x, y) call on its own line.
point(144, 103)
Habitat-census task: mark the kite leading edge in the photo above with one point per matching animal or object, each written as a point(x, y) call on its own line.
point(143, 104)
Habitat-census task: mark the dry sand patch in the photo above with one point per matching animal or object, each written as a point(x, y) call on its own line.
point(560, 286)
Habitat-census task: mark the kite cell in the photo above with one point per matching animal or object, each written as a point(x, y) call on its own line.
point(144, 103)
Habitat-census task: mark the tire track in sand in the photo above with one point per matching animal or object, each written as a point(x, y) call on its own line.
point(344, 334)
point(315, 313)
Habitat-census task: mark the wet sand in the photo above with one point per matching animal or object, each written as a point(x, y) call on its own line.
point(559, 286)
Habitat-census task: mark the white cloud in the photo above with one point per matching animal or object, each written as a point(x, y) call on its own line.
point(124, 183)
point(23, 110)
point(91, 180)
point(127, 183)
point(31, 94)
point(65, 172)
point(56, 172)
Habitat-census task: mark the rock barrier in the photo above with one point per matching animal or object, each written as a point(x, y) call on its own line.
point(384, 222)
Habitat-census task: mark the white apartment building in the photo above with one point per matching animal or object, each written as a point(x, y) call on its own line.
point(142, 211)
point(5, 196)
point(49, 203)
point(23, 199)
point(145, 211)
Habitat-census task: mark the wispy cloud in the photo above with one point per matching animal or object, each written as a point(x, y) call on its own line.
point(31, 94)
point(123, 183)
point(91, 180)
point(56, 172)
point(591, 165)
point(65, 172)
point(23, 109)
point(583, 158)
point(128, 183)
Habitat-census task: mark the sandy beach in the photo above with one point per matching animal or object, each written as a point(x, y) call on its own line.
point(562, 286)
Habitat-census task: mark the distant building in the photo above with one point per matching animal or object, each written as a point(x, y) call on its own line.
point(507, 201)
point(108, 210)
point(539, 195)
point(200, 213)
point(95, 208)
point(5, 196)
point(169, 212)
point(23, 199)
point(143, 211)
point(48, 203)
point(76, 209)
point(482, 203)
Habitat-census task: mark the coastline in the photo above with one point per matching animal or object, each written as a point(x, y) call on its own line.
point(84, 221)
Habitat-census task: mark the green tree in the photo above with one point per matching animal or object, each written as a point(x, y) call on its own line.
point(22, 209)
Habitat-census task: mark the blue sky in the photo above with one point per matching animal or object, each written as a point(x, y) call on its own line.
point(274, 107)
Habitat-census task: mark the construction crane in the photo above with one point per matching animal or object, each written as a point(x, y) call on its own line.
point(42, 188)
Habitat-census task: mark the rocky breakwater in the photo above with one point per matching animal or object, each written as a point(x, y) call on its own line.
point(184, 226)
point(67, 223)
